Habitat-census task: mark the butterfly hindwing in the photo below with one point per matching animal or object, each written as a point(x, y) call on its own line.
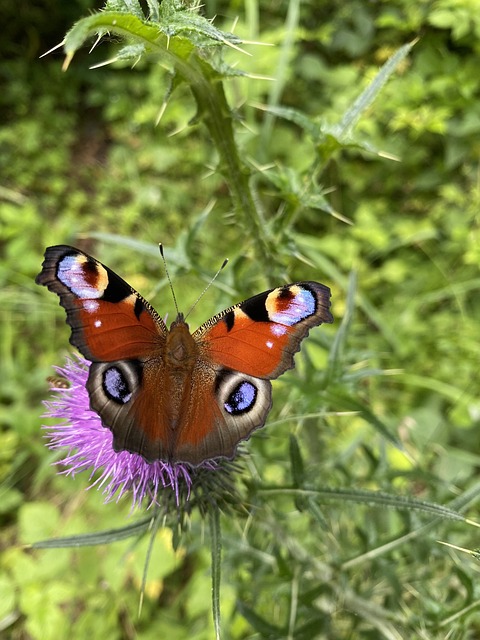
point(223, 414)
point(132, 399)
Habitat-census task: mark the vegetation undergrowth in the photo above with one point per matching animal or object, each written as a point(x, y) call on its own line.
point(275, 141)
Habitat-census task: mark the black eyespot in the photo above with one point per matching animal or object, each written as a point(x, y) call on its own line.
point(241, 399)
point(116, 385)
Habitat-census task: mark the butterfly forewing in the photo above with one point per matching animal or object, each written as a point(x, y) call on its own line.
point(261, 335)
point(109, 320)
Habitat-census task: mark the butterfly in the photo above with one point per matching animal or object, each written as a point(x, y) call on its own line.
point(168, 394)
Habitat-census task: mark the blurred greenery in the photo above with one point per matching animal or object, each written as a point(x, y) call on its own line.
point(386, 399)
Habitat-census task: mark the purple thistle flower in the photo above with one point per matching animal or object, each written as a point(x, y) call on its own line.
point(89, 445)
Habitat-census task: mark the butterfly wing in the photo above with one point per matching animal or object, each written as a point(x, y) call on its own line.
point(260, 336)
point(124, 338)
point(223, 408)
point(109, 320)
point(241, 349)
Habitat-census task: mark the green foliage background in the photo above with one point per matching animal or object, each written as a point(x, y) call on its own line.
point(82, 162)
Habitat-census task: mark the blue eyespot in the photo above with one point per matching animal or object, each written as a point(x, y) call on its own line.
point(302, 305)
point(116, 386)
point(80, 276)
point(242, 398)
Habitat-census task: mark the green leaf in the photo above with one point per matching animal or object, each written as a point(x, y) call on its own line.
point(103, 537)
point(296, 461)
point(43, 606)
point(336, 354)
point(125, 6)
point(342, 400)
point(173, 32)
point(154, 10)
point(259, 623)
point(37, 519)
point(7, 597)
point(216, 542)
point(371, 498)
point(366, 98)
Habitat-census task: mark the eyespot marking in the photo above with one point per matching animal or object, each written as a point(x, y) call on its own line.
point(242, 398)
point(85, 278)
point(116, 385)
point(291, 305)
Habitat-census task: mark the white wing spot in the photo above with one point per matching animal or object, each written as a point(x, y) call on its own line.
point(91, 306)
point(278, 330)
point(98, 323)
point(269, 344)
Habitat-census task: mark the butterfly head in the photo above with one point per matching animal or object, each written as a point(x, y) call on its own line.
point(179, 322)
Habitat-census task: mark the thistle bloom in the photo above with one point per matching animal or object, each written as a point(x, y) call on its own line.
point(89, 445)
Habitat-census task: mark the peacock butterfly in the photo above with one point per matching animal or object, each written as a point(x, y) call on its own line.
point(168, 394)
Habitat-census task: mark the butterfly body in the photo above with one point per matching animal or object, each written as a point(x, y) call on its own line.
point(169, 394)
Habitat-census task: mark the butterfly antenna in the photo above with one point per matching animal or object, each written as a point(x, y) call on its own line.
point(160, 246)
point(224, 264)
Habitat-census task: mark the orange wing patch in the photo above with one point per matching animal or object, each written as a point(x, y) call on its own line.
point(111, 330)
point(251, 347)
point(261, 335)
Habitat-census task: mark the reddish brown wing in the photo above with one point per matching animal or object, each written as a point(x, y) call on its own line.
point(124, 338)
point(240, 350)
point(133, 400)
point(109, 320)
point(223, 408)
point(260, 336)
